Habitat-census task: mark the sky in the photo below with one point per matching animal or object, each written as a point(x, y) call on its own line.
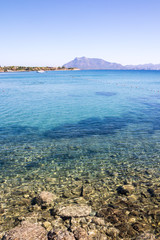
point(53, 32)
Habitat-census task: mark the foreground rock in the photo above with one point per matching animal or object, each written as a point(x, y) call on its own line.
point(26, 231)
point(74, 211)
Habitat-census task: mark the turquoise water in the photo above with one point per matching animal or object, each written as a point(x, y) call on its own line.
point(52, 99)
point(81, 106)
point(61, 127)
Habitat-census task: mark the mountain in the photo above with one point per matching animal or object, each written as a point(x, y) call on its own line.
point(148, 66)
point(92, 63)
point(96, 63)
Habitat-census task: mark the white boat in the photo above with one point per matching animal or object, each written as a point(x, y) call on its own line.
point(40, 71)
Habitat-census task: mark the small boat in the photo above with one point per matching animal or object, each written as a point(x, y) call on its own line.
point(40, 71)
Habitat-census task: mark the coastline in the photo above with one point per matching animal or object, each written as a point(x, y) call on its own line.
point(2, 70)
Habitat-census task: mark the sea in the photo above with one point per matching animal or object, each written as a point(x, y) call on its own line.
point(62, 129)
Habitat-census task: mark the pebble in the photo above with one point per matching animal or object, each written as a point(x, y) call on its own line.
point(47, 225)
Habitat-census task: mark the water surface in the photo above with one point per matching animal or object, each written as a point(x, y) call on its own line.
point(61, 127)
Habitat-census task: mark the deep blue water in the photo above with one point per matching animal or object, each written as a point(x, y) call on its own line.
point(77, 122)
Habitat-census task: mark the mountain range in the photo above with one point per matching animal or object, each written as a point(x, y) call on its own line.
point(96, 63)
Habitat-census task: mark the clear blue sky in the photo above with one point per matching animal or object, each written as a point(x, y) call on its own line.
point(53, 32)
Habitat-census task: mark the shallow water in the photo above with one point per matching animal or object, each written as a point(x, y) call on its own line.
point(61, 129)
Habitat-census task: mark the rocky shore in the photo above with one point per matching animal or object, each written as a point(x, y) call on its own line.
point(132, 211)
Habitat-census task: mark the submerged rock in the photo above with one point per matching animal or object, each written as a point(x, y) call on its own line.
point(47, 225)
point(146, 236)
point(74, 211)
point(151, 192)
point(154, 192)
point(99, 221)
point(26, 231)
point(130, 188)
point(60, 235)
point(45, 198)
point(121, 190)
point(113, 232)
point(81, 234)
point(67, 194)
point(113, 216)
point(154, 213)
point(78, 191)
point(97, 235)
point(125, 189)
point(1, 210)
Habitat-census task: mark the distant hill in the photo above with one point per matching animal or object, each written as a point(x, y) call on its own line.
point(148, 66)
point(92, 63)
point(96, 63)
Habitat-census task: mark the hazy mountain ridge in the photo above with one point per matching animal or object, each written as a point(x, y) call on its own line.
point(96, 63)
point(148, 66)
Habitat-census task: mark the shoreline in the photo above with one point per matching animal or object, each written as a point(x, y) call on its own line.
point(57, 70)
point(38, 69)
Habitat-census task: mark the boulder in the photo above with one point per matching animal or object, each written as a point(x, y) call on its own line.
point(74, 211)
point(26, 231)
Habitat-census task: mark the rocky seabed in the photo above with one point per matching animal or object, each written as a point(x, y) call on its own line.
point(130, 211)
